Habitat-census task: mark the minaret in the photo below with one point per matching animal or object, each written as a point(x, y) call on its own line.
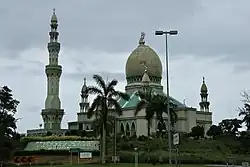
point(52, 114)
point(204, 104)
point(84, 104)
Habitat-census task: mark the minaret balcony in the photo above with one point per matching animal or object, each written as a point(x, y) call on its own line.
point(53, 70)
point(53, 47)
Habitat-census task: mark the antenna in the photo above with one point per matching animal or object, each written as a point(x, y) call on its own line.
point(184, 101)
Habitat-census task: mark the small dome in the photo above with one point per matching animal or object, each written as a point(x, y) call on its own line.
point(203, 86)
point(84, 88)
point(53, 17)
point(143, 56)
point(145, 78)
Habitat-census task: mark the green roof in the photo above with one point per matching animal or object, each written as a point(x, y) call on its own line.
point(134, 100)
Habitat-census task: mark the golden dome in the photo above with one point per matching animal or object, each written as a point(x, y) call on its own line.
point(143, 56)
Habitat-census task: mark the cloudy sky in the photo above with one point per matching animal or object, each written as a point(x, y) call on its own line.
point(98, 36)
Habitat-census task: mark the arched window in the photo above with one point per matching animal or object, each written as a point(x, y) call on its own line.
point(127, 129)
point(122, 129)
point(133, 129)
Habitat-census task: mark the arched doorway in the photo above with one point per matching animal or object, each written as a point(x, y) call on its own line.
point(127, 130)
point(133, 130)
point(122, 131)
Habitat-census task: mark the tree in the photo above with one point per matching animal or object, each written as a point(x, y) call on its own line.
point(245, 111)
point(155, 104)
point(230, 126)
point(197, 132)
point(214, 131)
point(104, 102)
point(8, 107)
point(161, 107)
point(147, 97)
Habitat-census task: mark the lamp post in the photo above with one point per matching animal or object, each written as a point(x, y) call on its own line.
point(166, 33)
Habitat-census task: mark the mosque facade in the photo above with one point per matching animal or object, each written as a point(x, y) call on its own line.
point(129, 124)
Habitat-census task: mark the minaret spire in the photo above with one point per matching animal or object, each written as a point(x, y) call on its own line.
point(84, 104)
point(53, 114)
point(204, 104)
point(145, 78)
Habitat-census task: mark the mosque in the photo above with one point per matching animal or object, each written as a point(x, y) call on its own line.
point(137, 77)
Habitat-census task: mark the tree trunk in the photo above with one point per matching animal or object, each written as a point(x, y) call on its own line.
point(114, 142)
point(148, 129)
point(148, 140)
point(103, 144)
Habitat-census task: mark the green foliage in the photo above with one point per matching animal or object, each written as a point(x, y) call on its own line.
point(245, 111)
point(105, 99)
point(230, 126)
point(214, 131)
point(58, 138)
point(197, 132)
point(8, 136)
point(155, 104)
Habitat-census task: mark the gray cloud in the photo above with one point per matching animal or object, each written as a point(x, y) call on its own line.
point(89, 76)
point(206, 28)
point(98, 36)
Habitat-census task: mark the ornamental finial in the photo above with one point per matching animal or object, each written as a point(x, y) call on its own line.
point(142, 41)
point(84, 81)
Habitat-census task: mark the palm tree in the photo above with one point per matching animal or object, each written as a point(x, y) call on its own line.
point(161, 107)
point(147, 97)
point(98, 121)
point(106, 98)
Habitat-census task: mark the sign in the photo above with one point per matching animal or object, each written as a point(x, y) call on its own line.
point(86, 155)
point(176, 139)
point(245, 164)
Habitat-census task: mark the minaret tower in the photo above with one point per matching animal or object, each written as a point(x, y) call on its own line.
point(84, 104)
point(204, 104)
point(52, 114)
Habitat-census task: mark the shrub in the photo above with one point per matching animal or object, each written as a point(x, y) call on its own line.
point(58, 138)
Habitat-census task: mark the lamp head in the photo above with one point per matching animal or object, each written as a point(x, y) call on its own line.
point(174, 32)
point(159, 32)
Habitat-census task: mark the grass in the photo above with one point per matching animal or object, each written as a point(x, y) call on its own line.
point(127, 165)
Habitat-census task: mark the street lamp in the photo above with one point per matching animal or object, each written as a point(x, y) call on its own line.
point(166, 33)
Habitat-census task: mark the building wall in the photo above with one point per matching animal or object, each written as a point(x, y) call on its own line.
point(187, 119)
point(204, 119)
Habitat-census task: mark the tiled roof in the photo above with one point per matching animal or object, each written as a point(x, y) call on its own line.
point(134, 100)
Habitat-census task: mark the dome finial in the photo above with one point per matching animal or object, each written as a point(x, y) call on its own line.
point(145, 68)
point(203, 86)
point(84, 81)
point(54, 18)
point(145, 78)
point(142, 41)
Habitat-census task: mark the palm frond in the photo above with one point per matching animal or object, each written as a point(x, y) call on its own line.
point(149, 113)
point(111, 85)
point(142, 104)
point(94, 106)
point(118, 94)
point(114, 104)
point(100, 82)
point(93, 90)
